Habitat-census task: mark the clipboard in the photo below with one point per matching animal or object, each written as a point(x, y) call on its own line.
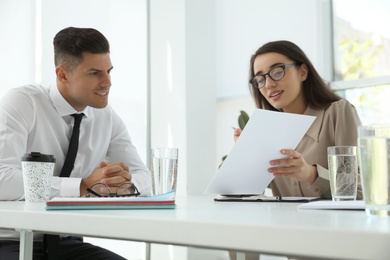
point(263, 198)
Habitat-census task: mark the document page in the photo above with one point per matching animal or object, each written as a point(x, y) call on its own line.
point(329, 204)
point(244, 171)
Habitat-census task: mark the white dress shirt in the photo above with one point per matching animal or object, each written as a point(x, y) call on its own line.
point(37, 119)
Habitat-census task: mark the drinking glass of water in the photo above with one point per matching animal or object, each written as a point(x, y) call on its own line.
point(374, 157)
point(343, 172)
point(164, 170)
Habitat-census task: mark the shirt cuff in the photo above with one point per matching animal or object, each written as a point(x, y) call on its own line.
point(143, 183)
point(70, 187)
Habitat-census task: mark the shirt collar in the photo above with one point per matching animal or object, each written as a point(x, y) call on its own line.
point(314, 130)
point(62, 106)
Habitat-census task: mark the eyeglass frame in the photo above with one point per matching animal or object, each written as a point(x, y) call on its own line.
point(112, 194)
point(253, 81)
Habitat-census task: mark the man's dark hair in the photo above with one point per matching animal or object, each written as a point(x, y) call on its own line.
point(70, 44)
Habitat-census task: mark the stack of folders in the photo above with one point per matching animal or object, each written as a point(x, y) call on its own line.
point(262, 198)
point(163, 201)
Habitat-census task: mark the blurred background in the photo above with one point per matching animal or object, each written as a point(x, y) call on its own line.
point(181, 68)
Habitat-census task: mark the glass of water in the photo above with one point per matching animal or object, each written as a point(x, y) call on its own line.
point(374, 157)
point(164, 170)
point(343, 172)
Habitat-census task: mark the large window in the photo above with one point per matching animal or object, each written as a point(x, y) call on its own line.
point(362, 56)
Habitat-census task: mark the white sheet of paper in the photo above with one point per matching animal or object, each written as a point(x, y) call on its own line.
point(329, 204)
point(244, 171)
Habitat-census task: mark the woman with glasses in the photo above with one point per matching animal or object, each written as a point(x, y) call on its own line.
point(283, 79)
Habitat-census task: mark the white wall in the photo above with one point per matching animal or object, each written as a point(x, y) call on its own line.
point(182, 61)
point(200, 53)
point(17, 44)
point(242, 26)
point(182, 87)
point(27, 29)
point(124, 24)
point(199, 65)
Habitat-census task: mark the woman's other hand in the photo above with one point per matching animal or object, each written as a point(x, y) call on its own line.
point(237, 133)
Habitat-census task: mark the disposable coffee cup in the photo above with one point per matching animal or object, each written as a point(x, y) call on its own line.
point(37, 171)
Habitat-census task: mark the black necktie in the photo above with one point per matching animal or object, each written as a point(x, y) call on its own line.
point(50, 242)
point(73, 147)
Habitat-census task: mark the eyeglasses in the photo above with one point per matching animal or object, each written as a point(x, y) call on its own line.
point(276, 73)
point(126, 189)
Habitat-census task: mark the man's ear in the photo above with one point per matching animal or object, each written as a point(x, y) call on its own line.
point(61, 73)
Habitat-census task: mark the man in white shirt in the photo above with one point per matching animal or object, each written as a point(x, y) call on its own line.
point(38, 119)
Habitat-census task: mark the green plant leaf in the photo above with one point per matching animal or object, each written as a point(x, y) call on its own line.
point(243, 119)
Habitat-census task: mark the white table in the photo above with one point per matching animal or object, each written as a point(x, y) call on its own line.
point(269, 228)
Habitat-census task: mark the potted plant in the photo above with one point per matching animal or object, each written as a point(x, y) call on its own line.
point(243, 118)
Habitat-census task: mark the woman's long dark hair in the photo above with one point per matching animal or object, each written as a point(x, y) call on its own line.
point(316, 92)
